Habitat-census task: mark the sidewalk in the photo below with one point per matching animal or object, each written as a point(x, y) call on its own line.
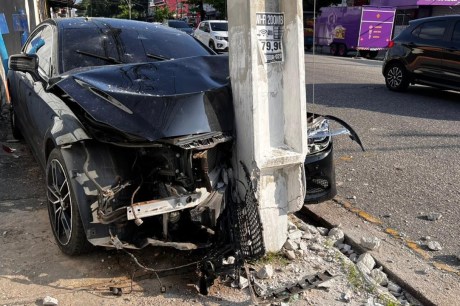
point(410, 267)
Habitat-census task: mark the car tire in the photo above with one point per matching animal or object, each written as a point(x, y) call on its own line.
point(364, 53)
point(13, 122)
point(373, 54)
point(63, 211)
point(333, 49)
point(396, 77)
point(342, 50)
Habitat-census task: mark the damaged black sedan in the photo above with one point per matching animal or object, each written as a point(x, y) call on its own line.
point(133, 124)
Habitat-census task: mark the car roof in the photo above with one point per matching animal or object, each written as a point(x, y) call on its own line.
point(417, 21)
point(216, 20)
point(91, 22)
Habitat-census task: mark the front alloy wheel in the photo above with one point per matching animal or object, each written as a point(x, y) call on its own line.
point(396, 77)
point(63, 211)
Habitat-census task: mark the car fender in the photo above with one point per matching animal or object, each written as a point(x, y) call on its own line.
point(103, 168)
point(66, 128)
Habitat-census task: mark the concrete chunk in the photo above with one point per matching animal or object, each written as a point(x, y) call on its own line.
point(379, 276)
point(265, 272)
point(336, 235)
point(290, 255)
point(367, 260)
point(50, 301)
point(290, 245)
point(370, 243)
point(295, 235)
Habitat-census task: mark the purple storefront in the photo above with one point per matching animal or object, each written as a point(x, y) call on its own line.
point(407, 10)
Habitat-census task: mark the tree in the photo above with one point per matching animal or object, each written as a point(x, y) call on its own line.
point(114, 8)
point(99, 8)
point(162, 13)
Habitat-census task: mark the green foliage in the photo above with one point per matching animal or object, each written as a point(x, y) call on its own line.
point(162, 13)
point(273, 258)
point(124, 12)
point(113, 8)
point(354, 276)
point(99, 8)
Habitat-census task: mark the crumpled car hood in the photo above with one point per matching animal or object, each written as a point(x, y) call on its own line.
point(158, 99)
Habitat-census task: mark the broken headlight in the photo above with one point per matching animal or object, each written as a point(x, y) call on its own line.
point(319, 135)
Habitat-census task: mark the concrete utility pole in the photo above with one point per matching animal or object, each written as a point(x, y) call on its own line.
point(268, 82)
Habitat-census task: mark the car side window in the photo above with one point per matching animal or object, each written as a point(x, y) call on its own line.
point(432, 30)
point(206, 27)
point(41, 44)
point(202, 26)
point(456, 34)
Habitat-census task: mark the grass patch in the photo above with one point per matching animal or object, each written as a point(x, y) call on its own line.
point(273, 258)
point(354, 276)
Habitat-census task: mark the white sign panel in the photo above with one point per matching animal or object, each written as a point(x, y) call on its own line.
point(270, 28)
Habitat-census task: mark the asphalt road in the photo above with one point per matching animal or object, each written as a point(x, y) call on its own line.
point(411, 164)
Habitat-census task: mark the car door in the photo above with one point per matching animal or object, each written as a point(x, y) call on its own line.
point(200, 32)
point(206, 34)
point(23, 88)
point(451, 59)
point(426, 50)
point(38, 114)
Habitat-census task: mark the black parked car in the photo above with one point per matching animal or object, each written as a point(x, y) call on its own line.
point(426, 52)
point(178, 24)
point(133, 125)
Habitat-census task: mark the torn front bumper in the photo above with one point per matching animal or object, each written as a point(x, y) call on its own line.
point(320, 176)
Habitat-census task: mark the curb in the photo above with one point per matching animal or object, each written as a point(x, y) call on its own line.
point(416, 275)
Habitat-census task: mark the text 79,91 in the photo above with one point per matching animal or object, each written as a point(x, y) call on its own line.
point(271, 45)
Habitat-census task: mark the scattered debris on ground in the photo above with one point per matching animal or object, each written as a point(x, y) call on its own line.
point(313, 252)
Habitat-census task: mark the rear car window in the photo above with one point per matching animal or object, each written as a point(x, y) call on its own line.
point(456, 33)
point(178, 24)
point(431, 30)
point(219, 26)
point(125, 45)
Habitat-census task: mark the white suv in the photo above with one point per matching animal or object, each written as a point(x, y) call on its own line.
point(213, 33)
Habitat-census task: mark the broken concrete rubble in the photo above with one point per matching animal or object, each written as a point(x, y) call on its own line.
point(325, 257)
point(308, 228)
point(434, 216)
point(290, 255)
point(394, 288)
point(323, 231)
point(434, 246)
point(50, 301)
point(370, 243)
point(367, 260)
point(336, 235)
point(379, 276)
point(295, 235)
point(290, 245)
point(265, 272)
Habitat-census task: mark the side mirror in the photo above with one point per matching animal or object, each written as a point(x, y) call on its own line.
point(24, 63)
